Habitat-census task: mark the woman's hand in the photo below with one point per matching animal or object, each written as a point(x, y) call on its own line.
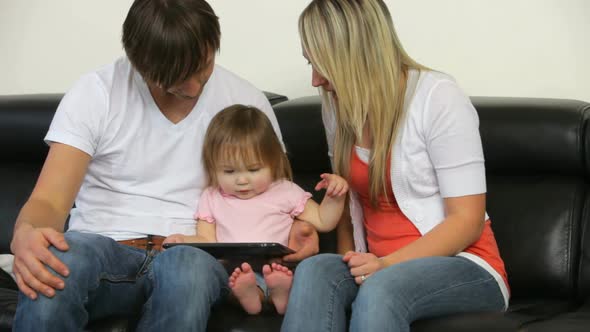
point(362, 265)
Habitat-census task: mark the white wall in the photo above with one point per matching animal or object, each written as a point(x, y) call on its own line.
point(532, 48)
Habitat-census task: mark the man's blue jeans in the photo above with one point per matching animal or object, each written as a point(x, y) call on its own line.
point(172, 290)
point(324, 292)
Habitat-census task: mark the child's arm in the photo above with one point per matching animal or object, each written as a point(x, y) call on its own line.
point(205, 233)
point(325, 216)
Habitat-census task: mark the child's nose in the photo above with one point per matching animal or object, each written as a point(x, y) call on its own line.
point(242, 179)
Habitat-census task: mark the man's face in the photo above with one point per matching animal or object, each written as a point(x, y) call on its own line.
point(192, 87)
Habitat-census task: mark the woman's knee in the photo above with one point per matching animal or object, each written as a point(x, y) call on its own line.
point(319, 265)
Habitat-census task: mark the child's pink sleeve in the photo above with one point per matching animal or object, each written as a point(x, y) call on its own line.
point(299, 199)
point(205, 206)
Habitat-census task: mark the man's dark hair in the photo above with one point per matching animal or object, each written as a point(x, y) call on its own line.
point(167, 41)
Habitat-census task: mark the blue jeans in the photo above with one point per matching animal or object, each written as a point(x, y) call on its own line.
point(324, 292)
point(173, 290)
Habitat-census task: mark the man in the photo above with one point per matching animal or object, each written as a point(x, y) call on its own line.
point(125, 146)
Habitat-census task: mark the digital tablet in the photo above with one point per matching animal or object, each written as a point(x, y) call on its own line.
point(242, 249)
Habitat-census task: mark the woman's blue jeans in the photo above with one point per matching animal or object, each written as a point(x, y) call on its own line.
point(172, 290)
point(324, 292)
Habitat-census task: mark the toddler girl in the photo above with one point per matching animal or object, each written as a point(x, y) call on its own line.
point(251, 198)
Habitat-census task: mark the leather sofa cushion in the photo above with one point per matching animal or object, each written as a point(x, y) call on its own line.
point(528, 135)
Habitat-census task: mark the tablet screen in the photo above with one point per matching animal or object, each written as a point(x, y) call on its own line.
point(243, 249)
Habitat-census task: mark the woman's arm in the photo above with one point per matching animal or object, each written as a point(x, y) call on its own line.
point(344, 234)
point(40, 223)
point(462, 227)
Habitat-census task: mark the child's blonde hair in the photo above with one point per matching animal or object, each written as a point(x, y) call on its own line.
point(243, 133)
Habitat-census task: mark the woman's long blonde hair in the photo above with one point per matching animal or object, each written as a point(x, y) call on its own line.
point(353, 44)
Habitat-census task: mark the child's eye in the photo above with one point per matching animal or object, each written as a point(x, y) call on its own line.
point(228, 171)
point(253, 169)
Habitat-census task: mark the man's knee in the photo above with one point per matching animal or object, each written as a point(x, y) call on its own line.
point(82, 249)
point(188, 273)
point(48, 311)
point(187, 263)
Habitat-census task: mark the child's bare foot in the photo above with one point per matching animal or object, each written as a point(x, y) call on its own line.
point(243, 284)
point(278, 280)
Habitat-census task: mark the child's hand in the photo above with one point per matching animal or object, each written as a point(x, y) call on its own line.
point(335, 185)
point(175, 238)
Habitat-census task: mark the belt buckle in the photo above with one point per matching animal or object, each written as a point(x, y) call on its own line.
point(149, 243)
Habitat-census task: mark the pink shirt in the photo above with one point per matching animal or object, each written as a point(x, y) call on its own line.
point(263, 218)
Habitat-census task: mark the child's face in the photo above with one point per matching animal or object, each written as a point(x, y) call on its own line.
point(242, 180)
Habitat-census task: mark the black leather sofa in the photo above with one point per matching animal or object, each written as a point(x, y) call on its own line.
point(538, 170)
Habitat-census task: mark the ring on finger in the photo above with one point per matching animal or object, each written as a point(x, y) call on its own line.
point(363, 277)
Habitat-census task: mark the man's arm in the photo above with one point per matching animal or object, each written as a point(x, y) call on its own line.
point(304, 239)
point(41, 221)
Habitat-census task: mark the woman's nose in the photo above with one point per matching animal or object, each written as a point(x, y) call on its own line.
point(317, 79)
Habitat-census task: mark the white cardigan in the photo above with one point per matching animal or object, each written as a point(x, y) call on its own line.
point(437, 154)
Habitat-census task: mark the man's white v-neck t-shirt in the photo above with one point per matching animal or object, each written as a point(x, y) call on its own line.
point(146, 174)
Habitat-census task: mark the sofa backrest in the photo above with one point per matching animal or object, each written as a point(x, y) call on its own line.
point(23, 124)
point(584, 277)
point(584, 266)
point(537, 180)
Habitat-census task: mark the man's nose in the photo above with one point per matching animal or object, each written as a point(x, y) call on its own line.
point(191, 85)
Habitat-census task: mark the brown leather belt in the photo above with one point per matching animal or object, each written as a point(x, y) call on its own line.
point(149, 242)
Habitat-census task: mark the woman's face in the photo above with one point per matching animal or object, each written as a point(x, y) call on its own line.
point(317, 80)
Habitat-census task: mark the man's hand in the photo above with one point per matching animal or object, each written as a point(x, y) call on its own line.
point(304, 239)
point(31, 256)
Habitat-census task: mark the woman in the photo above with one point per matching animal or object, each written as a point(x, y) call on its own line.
point(418, 242)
